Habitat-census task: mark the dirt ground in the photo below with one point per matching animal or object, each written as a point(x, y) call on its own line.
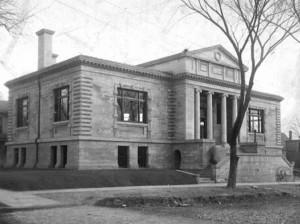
point(274, 211)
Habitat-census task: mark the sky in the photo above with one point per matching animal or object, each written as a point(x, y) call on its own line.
point(132, 32)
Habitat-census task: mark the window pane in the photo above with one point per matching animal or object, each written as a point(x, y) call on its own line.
point(141, 112)
point(256, 122)
point(22, 112)
point(130, 110)
point(130, 94)
point(61, 104)
point(142, 96)
point(131, 105)
point(64, 109)
point(64, 92)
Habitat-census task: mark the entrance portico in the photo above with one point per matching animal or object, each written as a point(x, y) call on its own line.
point(214, 121)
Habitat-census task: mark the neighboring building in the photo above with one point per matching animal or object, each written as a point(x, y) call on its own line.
point(293, 150)
point(3, 131)
point(174, 112)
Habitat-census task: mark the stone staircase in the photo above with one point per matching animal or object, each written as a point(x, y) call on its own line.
point(202, 175)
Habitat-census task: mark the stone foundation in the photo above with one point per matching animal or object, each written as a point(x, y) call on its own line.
point(256, 168)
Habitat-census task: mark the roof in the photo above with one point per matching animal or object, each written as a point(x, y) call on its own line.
point(192, 53)
point(91, 61)
point(121, 67)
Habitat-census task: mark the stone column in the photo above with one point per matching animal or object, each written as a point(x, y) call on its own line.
point(197, 114)
point(209, 116)
point(224, 119)
point(234, 112)
point(234, 108)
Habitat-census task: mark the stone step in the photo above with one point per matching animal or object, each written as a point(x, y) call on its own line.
point(205, 173)
point(203, 180)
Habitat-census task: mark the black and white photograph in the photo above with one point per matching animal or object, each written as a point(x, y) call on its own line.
point(149, 111)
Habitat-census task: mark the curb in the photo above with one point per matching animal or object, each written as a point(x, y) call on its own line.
point(16, 209)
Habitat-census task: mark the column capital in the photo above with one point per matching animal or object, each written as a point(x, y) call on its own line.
point(197, 90)
point(224, 94)
point(234, 96)
point(209, 92)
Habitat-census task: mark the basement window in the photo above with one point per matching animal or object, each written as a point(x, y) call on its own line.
point(143, 156)
point(61, 104)
point(123, 156)
point(22, 112)
point(256, 120)
point(132, 106)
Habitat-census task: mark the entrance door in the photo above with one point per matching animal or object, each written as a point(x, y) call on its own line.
point(177, 159)
point(143, 156)
point(123, 156)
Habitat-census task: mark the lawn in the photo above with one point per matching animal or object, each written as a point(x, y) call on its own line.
point(21, 180)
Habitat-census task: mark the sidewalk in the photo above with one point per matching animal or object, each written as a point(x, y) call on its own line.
point(65, 197)
point(21, 200)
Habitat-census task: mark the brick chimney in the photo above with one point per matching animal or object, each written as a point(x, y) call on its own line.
point(290, 135)
point(45, 55)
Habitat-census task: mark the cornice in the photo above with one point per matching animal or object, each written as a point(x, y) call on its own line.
point(92, 62)
point(223, 83)
point(136, 70)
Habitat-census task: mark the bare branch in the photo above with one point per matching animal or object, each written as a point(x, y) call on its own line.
point(254, 28)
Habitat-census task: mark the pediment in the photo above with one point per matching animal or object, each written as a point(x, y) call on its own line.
point(216, 54)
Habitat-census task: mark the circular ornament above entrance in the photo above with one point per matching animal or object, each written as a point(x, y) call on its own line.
point(218, 56)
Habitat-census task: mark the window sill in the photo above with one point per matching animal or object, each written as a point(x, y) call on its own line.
point(257, 133)
point(132, 124)
point(61, 123)
point(21, 128)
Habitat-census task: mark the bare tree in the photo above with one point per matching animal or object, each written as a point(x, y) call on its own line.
point(11, 17)
point(254, 29)
point(296, 8)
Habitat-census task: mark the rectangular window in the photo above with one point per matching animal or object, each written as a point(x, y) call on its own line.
point(143, 156)
point(23, 157)
point(22, 112)
point(123, 156)
point(16, 157)
point(61, 104)
point(132, 106)
point(256, 120)
point(64, 155)
point(53, 156)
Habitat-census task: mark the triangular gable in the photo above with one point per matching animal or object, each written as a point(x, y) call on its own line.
point(216, 54)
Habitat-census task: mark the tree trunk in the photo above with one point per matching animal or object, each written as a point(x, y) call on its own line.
point(233, 167)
